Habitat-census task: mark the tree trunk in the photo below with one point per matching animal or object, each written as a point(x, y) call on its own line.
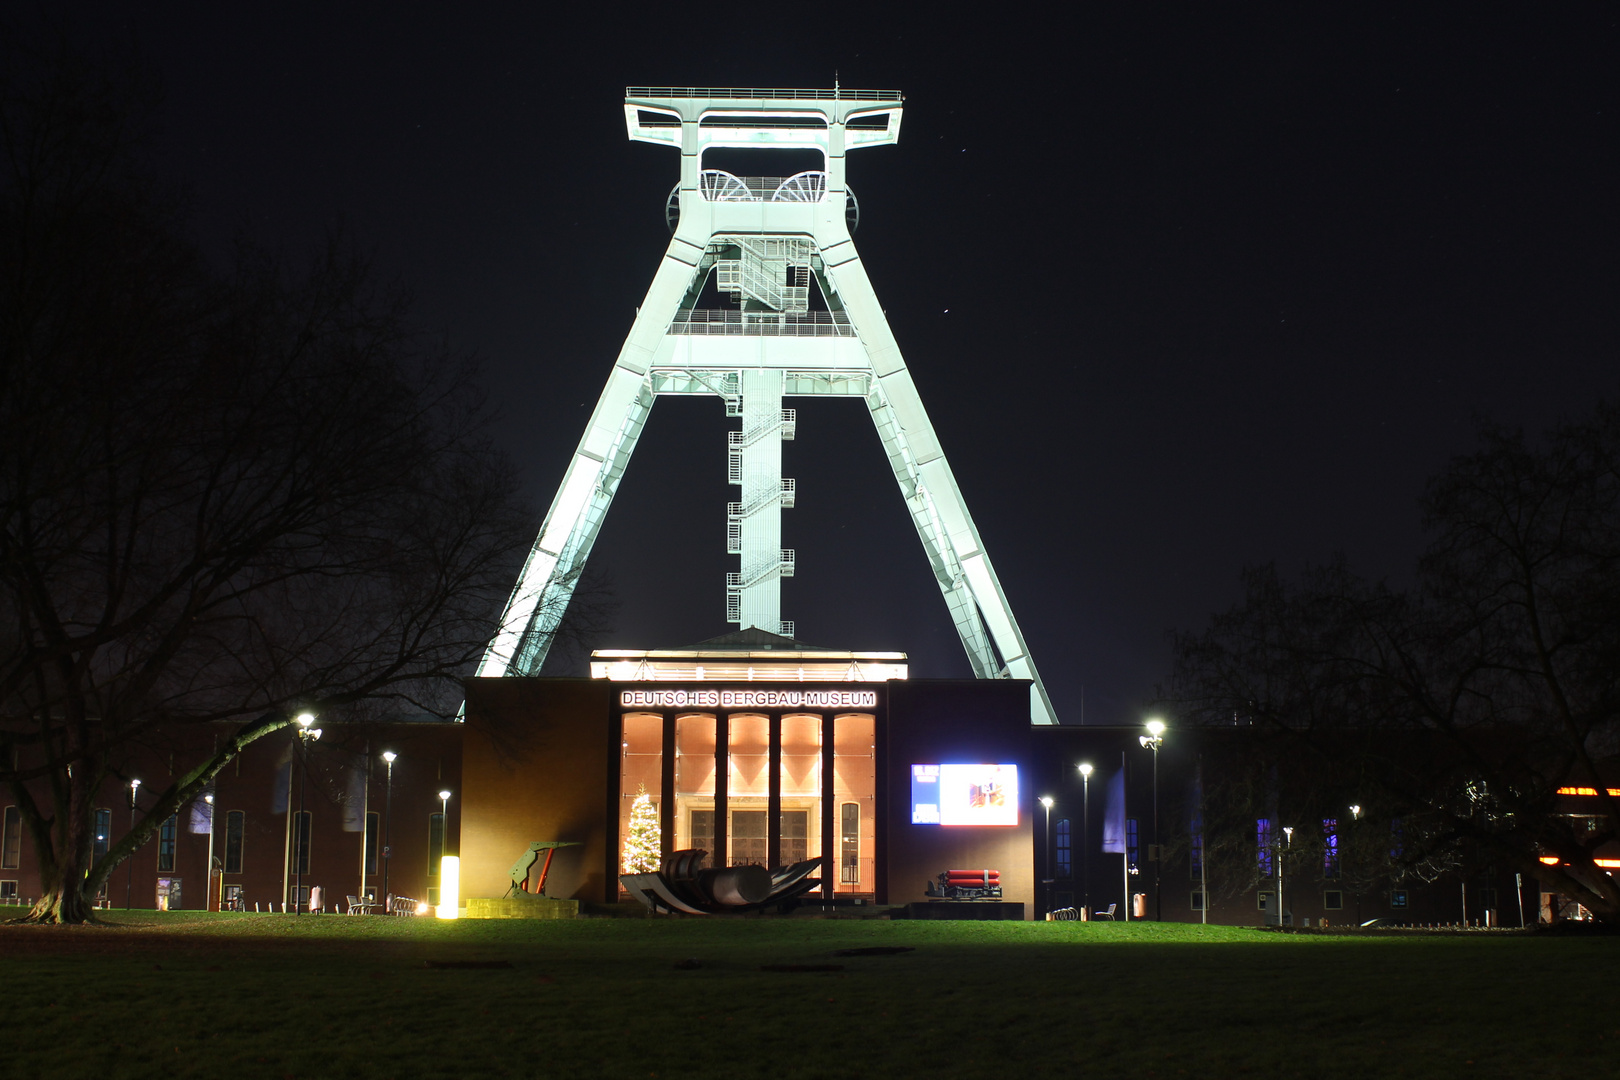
point(65, 905)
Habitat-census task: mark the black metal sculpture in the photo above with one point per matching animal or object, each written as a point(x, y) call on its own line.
point(684, 884)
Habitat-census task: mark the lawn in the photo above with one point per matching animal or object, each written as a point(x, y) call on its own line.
point(189, 994)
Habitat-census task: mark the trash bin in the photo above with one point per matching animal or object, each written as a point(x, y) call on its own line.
point(1139, 905)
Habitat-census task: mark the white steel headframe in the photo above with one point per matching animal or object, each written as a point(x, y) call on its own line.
point(763, 238)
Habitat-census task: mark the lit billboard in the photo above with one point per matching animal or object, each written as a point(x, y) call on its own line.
point(964, 794)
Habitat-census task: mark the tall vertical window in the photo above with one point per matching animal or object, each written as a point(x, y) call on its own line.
point(103, 839)
point(795, 836)
point(435, 843)
point(1133, 847)
point(1063, 861)
point(371, 843)
point(234, 823)
point(1397, 843)
point(301, 842)
point(166, 833)
point(854, 780)
point(702, 831)
point(11, 839)
point(849, 843)
point(749, 836)
point(1330, 847)
point(1264, 850)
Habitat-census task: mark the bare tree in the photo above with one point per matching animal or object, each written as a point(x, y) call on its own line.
point(1474, 697)
point(224, 496)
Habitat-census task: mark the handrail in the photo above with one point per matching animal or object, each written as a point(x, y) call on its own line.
point(756, 93)
point(722, 322)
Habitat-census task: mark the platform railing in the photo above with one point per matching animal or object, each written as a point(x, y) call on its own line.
point(758, 93)
point(721, 322)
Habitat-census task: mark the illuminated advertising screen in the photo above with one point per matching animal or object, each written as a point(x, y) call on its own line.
point(964, 794)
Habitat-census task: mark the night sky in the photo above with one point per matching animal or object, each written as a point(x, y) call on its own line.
point(1183, 288)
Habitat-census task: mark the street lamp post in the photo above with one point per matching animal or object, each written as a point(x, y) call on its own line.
point(301, 847)
point(1046, 877)
point(1288, 844)
point(1085, 836)
point(1153, 740)
point(388, 821)
point(1355, 817)
point(129, 871)
point(208, 903)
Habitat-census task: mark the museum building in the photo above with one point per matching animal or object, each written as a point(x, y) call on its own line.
point(760, 751)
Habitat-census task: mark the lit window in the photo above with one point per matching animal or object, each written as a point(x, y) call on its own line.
point(1330, 848)
point(166, 844)
point(1397, 898)
point(702, 831)
point(1132, 846)
point(849, 839)
point(1263, 847)
point(1063, 863)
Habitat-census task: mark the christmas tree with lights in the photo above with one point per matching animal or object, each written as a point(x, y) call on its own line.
point(641, 844)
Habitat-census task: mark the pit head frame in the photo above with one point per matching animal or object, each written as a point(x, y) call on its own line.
point(776, 246)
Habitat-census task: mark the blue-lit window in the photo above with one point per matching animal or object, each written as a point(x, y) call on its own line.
point(166, 844)
point(1397, 842)
point(1330, 847)
point(1397, 898)
point(1063, 863)
point(1132, 846)
point(1264, 850)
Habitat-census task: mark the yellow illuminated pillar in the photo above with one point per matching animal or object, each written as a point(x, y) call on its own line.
point(450, 887)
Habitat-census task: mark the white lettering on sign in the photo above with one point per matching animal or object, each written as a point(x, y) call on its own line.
point(703, 698)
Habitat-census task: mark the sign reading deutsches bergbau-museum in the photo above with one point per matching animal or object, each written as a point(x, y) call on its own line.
point(703, 697)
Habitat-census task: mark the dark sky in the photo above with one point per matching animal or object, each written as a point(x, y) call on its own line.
point(1184, 288)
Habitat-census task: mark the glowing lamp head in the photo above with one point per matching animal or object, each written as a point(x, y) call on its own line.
point(444, 796)
point(133, 784)
point(1046, 801)
point(1355, 811)
point(315, 733)
point(304, 719)
point(209, 799)
point(389, 756)
point(1155, 727)
point(1085, 769)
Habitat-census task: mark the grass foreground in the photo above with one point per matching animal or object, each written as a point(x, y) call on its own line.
point(192, 994)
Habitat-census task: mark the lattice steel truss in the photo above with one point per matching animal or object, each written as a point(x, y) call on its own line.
point(763, 239)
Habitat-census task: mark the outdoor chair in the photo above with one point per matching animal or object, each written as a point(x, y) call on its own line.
point(1109, 914)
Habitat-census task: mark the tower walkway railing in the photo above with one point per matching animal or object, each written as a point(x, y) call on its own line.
point(754, 93)
point(723, 322)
